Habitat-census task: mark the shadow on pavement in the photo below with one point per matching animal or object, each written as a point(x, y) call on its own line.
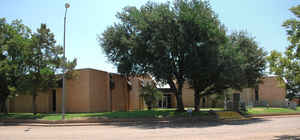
point(287, 137)
point(182, 123)
point(151, 124)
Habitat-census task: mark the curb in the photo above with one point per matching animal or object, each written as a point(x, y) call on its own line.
point(90, 120)
point(96, 121)
point(270, 115)
point(100, 121)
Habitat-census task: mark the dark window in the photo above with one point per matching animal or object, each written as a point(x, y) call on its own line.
point(165, 102)
point(169, 104)
point(203, 102)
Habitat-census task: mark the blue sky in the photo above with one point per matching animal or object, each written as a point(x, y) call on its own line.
point(88, 18)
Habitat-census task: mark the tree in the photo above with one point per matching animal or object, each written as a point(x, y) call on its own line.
point(157, 39)
point(202, 60)
point(287, 65)
point(237, 64)
point(151, 95)
point(4, 93)
point(43, 61)
point(14, 38)
point(29, 63)
point(253, 59)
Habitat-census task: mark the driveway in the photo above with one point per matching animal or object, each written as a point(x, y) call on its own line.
point(260, 128)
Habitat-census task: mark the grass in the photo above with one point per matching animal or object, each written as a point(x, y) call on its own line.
point(271, 110)
point(156, 113)
point(230, 115)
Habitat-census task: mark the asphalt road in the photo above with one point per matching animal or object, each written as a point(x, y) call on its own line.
point(261, 128)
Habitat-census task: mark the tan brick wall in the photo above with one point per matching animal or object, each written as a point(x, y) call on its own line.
point(271, 92)
point(59, 99)
point(247, 96)
point(134, 95)
point(296, 100)
point(7, 105)
point(120, 99)
point(89, 92)
point(23, 103)
point(99, 91)
point(188, 97)
point(78, 93)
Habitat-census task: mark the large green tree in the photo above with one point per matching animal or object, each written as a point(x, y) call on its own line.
point(29, 62)
point(14, 38)
point(237, 64)
point(287, 65)
point(207, 36)
point(159, 38)
point(44, 61)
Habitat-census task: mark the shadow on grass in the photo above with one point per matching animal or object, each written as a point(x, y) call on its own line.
point(287, 137)
point(25, 116)
point(139, 119)
point(109, 115)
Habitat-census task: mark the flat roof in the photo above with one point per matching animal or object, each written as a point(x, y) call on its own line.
point(92, 69)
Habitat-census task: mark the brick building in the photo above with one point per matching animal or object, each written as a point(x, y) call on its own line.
point(91, 91)
point(270, 92)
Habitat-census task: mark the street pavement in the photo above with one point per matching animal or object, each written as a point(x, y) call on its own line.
point(269, 128)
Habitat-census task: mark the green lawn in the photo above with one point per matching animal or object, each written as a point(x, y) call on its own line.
point(156, 113)
point(271, 110)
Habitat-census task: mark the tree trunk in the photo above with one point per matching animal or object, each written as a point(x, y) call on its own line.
point(4, 109)
point(180, 106)
point(225, 101)
point(196, 100)
point(2, 104)
point(34, 103)
point(4, 93)
point(1, 107)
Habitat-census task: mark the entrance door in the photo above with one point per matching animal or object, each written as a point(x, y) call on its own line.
point(165, 102)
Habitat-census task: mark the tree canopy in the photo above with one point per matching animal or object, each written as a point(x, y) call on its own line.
point(14, 38)
point(238, 63)
point(29, 62)
point(179, 41)
point(287, 65)
point(159, 39)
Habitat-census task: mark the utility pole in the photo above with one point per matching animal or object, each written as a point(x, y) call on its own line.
point(67, 5)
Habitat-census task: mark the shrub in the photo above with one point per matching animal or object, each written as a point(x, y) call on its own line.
point(151, 95)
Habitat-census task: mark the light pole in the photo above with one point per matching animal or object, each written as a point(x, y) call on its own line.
point(67, 5)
